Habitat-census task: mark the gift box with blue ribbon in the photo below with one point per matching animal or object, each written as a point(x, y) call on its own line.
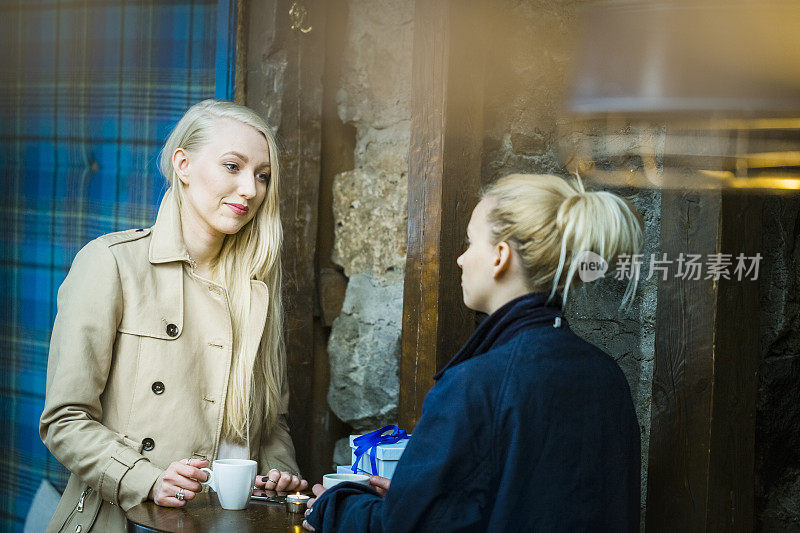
point(378, 452)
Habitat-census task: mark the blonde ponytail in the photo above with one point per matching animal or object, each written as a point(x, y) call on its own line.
point(551, 222)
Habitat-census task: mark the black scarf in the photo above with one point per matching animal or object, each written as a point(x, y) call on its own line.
point(504, 323)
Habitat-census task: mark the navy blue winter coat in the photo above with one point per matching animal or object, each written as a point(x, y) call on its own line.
point(529, 428)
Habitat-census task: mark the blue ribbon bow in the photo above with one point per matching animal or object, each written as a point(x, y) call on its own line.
point(372, 440)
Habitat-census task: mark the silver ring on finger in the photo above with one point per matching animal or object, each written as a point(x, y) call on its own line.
point(189, 461)
point(308, 512)
point(180, 495)
point(272, 480)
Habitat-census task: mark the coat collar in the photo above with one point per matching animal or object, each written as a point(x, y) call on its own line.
point(531, 310)
point(167, 244)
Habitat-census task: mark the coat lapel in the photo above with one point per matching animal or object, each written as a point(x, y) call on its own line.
point(167, 253)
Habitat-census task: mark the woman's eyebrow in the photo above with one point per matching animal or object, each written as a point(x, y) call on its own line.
point(265, 164)
point(236, 154)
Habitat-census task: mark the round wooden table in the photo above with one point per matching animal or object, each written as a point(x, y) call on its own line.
point(204, 514)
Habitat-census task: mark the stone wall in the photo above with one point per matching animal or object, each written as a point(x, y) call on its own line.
point(778, 417)
point(370, 214)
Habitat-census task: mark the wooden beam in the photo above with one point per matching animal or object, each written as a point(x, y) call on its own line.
point(443, 182)
point(702, 437)
point(240, 73)
point(338, 152)
point(284, 83)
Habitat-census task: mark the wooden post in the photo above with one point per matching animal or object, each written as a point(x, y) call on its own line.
point(338, 152)
point(443, 182)
point(240, 72)
point(702, 437)
point(284, 84)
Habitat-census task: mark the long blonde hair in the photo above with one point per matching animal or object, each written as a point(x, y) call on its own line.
point(551, 222)
point(251, 253)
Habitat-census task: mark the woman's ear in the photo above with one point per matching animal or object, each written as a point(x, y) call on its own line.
point(502, 259)
point(180, 162)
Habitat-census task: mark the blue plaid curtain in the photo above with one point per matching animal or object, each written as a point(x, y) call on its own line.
point(88, 92)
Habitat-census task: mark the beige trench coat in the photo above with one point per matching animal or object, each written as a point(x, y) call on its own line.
point(138, 373)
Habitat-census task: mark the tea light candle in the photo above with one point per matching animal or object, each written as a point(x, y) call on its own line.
point(296, 503)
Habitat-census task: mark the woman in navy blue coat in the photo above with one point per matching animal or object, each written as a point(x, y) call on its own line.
point(528, 427)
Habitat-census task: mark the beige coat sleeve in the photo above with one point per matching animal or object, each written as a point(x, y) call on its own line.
point(277, 450)
point(81, 353)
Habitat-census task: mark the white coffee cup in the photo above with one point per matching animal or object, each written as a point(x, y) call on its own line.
point(330, 480)
point(232, 480)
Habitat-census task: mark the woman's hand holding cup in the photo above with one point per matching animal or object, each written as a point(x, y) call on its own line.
point(380, 484)
point(178, 483)
point(278, 481)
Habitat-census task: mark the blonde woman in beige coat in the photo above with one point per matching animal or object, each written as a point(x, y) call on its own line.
point(167, 348)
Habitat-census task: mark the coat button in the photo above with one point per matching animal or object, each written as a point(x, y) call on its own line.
point(172, 330)
point(158, 387)
point(148, 444)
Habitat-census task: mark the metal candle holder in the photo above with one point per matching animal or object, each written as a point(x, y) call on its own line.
point(296, 503)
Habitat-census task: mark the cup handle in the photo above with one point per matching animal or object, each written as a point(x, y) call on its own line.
point(210, 481)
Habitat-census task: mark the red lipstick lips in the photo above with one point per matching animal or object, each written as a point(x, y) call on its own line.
point(239, 209)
